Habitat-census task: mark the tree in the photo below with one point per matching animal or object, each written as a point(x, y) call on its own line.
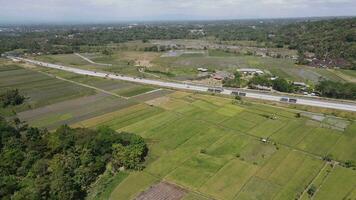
point(262, 80)
point(235, 82)
point(37, 164)
point(282, 85)
point(11, 97)
point(301, 56)
point(311, 191)
point(107, 52)
point(336, 89)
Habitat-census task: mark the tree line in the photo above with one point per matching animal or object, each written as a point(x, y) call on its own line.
point(333, 41)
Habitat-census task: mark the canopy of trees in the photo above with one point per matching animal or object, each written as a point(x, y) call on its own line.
point(337, 90)
point(332, 40)
point(235, 82)
point(37, 164)
point(11, 97)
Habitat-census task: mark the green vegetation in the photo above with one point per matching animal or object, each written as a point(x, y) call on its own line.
point(38, 88)
point(278, 84)
point(221, 156)
point(235, 82)
point(11, 97)
point(208, 145)
point(337, 90)
point(37, 164)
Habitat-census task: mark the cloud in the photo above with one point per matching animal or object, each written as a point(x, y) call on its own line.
point(120, 10)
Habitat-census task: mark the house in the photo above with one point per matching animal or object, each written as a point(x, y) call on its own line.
point(250, 71)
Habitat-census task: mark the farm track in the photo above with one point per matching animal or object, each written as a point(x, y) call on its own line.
point(90, 61)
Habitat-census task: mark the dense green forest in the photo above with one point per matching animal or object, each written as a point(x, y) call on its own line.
point(333, 41)
point(37, 164)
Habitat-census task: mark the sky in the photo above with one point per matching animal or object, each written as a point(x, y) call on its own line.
point(96, 11)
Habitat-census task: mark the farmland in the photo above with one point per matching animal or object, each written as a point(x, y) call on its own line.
point(183, 67)
point(222, 157)
point(208, 146)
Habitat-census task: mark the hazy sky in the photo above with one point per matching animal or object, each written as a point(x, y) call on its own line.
point(22, 11)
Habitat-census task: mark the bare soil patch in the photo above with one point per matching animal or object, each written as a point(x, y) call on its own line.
point(162, 191)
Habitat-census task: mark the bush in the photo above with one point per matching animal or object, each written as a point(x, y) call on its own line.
point(328, 157)
point(311, 191)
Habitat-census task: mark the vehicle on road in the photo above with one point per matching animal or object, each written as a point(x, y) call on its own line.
point(238, 93)
point(285, 99)
point(288, 100)
point(292, 101)
point(215, 90)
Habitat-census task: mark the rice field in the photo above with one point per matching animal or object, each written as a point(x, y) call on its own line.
point(209, 146)
point(39, 89)
point(223, 157)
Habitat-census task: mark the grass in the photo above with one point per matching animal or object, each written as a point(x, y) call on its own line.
point(205, 144)
point(196, 171)
point(293, 132)
point(135, 91)
point(229, 180)
point(39, 89)
point(194, 196)
point(229, 146)
point(105, 185)
point(267, 128)
point(184, 67)
point(319, 141)
point(224, 161)
point(73, 111)
point(126, 89)
point(340, 184)
point(344, 148)
point(258, 188)
point(135, 183)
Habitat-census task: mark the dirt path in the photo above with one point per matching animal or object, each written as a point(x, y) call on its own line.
point(90, 61)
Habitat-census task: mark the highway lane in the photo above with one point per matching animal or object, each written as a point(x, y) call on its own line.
point(184, 86)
